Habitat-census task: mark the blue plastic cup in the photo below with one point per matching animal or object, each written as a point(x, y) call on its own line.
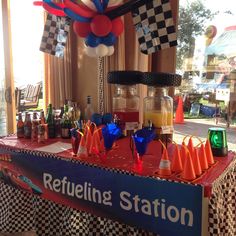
point(111, 132)
point(142, 138)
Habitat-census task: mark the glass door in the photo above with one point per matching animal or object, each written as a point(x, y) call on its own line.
point(21, 63)
point(2, 83)
point(7, 103)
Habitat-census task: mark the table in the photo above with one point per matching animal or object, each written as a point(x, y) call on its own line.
point(53, 215)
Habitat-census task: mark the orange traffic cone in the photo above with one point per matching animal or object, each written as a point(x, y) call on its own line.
point(209, 155)
point(183, 153)
point(88, 138)
point(179, 114)
point(176, 164)
point(164, 166)
point(188, 171)
point(94, 148)
point(101, 146)
point(82, 152)
point(196, 163)
point(190, 146)
point(203, 158)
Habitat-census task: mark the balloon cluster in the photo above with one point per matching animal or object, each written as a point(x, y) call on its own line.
point(90, 22)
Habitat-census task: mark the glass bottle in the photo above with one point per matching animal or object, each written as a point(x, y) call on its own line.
point(158, 112)
point(50, 122)
point(44, 127)
point(35, 123)
point(20, 126)
point(125, 107)
point(42, 119)
point(65, 123)
point(57, 121)
point(88, 111)
point(27, 126)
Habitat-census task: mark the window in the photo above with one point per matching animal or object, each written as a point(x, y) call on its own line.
point(206, 52)
point(206, 42)
point(27, 29)
point(2, 80)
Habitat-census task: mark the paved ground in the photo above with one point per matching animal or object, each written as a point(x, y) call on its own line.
point(199, 128)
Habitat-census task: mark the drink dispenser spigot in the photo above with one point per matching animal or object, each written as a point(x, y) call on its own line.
point(158, 106)
point(125, 101)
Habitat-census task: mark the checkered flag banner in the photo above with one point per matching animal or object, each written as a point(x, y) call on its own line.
point(154, 26)
point(55, 34)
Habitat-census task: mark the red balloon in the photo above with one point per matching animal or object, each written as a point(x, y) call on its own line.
point(38, 3)
point(52, 10)
point(117, 26)
point(82, 29)
point(101, 25)
point(79, 9)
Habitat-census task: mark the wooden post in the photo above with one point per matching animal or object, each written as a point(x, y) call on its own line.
point(165, 60)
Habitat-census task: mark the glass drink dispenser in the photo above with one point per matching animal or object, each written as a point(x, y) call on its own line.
point(125, 101)
point(158, 106)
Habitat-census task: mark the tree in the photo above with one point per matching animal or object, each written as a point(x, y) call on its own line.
point(192, 19)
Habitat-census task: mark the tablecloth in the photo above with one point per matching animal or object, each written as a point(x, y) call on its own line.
point(21, 211)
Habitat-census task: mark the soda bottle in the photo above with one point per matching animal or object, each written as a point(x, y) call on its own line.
point(88, 112)
point(57, 121)
point(50, 122)
point(20, 126)
point(42, 121)
point(41, 133)
point(27, 126)
point(35, 123)
point(65, 123)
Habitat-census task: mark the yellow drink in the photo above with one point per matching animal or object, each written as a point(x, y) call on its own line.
point(158, 118)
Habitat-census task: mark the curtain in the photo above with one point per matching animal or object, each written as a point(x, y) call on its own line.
point(58, 78)
point(58, 75)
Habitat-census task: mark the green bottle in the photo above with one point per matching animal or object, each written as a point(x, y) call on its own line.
point(65, 123)
point(50, 122)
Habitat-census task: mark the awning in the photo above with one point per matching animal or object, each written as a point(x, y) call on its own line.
point(225, 44)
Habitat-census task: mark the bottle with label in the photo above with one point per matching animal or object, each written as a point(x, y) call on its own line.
point(41, 133)
point(27, 126)
point(20, 126)
point(88, 112)
point(35, 123)
point(50, 122)
point(65, 123)
point(57, 121)
point(42, 121)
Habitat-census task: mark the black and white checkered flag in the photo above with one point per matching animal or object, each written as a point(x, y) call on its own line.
point(55, 34)
point(154, 26)
point(153, 23)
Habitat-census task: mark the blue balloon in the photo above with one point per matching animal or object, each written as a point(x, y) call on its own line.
point(104, 4)
point(96, 118)
point(92, 40)
point(98, 5)
point(109, 40)
point(75, 16)
point(107, 118)
point(53, 5)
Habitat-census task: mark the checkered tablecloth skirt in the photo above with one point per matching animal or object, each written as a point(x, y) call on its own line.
point(21, 211)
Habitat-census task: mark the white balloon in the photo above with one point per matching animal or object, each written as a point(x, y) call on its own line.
point(91, 52)
point(113, 3)
point(89, 4)
point(111, 50)
point(101, 50)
